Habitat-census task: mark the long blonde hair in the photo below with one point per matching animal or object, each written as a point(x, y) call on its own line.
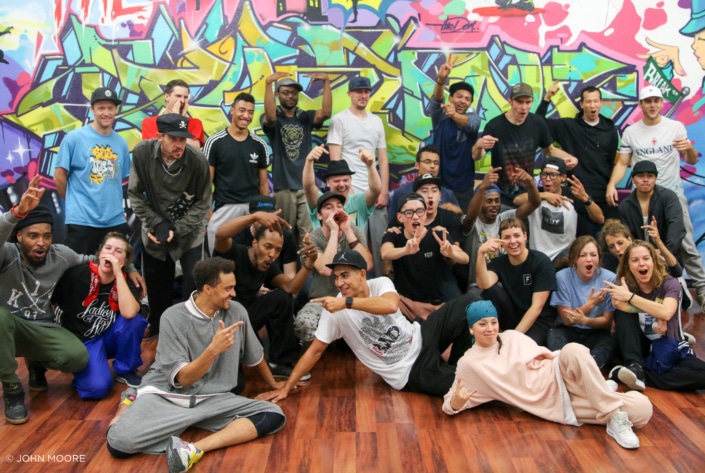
point(657, 277)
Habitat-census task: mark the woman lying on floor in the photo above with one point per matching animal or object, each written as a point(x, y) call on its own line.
point(564, 386)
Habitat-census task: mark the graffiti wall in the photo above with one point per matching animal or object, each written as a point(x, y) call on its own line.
point(54, 53)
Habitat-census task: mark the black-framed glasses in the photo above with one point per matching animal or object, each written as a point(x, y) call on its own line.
point(410, 213)
point(550, 175)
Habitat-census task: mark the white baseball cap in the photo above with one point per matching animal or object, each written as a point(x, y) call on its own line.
point(650, 91)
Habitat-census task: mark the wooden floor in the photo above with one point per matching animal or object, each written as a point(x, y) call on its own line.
point(348, 420)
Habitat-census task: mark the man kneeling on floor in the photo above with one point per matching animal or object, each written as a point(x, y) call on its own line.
point(407, 355)
point(202, 342)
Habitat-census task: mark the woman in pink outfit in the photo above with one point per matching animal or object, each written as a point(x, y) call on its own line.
point(563, 386)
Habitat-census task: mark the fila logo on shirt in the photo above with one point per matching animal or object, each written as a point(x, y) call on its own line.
point(527, 280)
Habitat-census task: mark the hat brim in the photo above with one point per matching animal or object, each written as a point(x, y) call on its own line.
point(105, 99)
point(694, 26)
point(340, 198)
point(435, 181)
point(179, 134)
point(297, 86)
point(352, 265)
point(344, 173)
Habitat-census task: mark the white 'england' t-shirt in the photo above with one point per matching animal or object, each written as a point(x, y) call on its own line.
point(655, 143)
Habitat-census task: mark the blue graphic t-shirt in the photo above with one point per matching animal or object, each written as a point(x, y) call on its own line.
point(96, 165)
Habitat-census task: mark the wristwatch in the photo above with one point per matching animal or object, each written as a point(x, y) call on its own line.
point(348, 302)
point(588, 202)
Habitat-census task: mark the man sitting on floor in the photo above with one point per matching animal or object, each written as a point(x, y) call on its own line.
point(202, 342)
point(366, 315)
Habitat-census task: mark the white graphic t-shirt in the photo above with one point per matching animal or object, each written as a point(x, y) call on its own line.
point(386, 344)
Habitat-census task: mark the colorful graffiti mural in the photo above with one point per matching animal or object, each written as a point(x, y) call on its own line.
point(53, 53)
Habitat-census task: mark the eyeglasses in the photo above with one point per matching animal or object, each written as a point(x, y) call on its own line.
point(428, 162)
point(410, 213)
point(287, 93)
point(550, 175)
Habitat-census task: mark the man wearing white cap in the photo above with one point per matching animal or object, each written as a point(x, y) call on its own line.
point(664, 142)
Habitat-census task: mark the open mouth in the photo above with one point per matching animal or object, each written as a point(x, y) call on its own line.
point(416, 225)
point(40, 253)
point(643, 272)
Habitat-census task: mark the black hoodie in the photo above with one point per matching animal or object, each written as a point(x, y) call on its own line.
point(594, 146)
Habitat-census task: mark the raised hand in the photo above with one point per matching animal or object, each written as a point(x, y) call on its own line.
point(443, 73)
point(446, 247)
point(224, 337)
point(551, 91)
point(31, 197)
point(317, 152)
point(460, 396)
point(556, 199)
point(652, 231)
point(272, 78)
point(272, 220)
point(492, 245)
point(367, 157)
point(308, 251)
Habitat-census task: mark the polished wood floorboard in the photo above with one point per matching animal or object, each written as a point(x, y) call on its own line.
point(347, 420)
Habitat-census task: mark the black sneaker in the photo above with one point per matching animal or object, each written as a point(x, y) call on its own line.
point(15, 411)
point(133, 380)
point(37, 376)
point(284, 371)
point(633, 376)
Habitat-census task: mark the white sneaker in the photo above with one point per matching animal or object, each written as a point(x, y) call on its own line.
point(620, 428)
point(612, 385)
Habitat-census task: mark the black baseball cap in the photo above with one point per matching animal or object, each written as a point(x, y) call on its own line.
point(348, 258)
point(262, 203)
point(173, 124)
point(357, 83)
point(644, 166)
point(556, 164)
point(409, 197)
point(461, 86)
point(105, 93)
point(326, 197)
point(426, 179)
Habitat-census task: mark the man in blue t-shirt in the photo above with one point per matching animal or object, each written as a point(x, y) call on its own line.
point(455, 128)
point(92, 163)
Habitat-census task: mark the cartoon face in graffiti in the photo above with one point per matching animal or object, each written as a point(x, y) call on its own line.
point(698, 47)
